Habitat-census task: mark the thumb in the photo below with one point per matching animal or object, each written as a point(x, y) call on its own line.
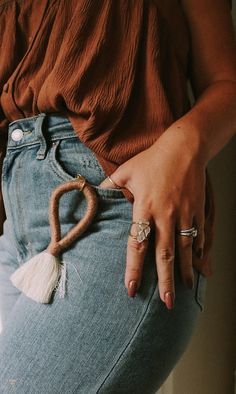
point(116, 180)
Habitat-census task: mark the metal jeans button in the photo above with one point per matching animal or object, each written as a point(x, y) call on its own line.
point(17, 135)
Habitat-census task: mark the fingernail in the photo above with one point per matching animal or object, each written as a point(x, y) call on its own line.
point(200, 253)
point(132, 288)
point(189, 283)
point(169, 300)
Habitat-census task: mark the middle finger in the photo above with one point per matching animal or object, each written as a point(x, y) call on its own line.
point(165, 256)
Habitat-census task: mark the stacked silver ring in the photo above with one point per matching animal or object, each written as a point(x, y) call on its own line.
point(143, 228)
point(189, 232)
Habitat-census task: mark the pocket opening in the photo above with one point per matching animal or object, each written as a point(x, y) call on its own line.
point(80, 163)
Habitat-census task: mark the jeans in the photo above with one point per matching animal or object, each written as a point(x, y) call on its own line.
point(96, 339)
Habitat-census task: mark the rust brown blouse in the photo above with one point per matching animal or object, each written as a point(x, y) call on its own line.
point(117, 69)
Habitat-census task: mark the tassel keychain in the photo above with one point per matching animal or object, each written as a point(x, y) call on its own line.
point(39, 276)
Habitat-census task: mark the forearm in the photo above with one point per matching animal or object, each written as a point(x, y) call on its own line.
point(211, 122)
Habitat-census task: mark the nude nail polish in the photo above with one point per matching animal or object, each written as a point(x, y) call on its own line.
point(132, 288)
point(169, 300)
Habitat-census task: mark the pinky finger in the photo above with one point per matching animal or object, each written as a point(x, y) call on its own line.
point(198, 243)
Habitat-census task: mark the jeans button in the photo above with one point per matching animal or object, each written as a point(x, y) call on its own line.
point(17, 135)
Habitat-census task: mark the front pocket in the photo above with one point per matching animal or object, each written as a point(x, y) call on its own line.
point(69, 157)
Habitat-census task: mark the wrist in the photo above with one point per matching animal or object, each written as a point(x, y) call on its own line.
point(191, 139)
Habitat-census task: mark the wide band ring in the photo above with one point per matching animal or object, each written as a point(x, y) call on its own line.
point(189, 232)
point(142, 230)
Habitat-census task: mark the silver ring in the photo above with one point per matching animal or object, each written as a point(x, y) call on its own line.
point(189, 232)
point(113, 183)
point(143, 229)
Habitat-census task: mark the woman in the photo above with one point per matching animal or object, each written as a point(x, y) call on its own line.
point(100, 89)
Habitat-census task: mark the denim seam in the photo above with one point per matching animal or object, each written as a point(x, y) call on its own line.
point(21, 224)
point(133, 336)
point(33, 143)
point(61, 176)
point(18, 245)
point(60, 173)
point(55, 167)
point(82, 162)
point(24, 119)
point(17, 147)
point(65, 136)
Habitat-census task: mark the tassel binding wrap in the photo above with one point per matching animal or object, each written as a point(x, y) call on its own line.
point(39, 276)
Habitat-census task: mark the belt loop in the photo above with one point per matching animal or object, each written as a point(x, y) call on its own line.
point(39, 133)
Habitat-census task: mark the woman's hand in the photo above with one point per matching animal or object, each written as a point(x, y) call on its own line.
point(167, 181)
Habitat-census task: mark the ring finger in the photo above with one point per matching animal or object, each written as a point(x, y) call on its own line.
point(185, 250)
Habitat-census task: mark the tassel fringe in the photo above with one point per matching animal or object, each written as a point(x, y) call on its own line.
point(43, 273)
point(61, 286)
point(38, 277)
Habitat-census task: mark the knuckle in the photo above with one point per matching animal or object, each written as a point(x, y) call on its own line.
point(170, 212)
point(134, 272)
point(166, 255)
point(187, 207)
point(186, 267)
point(138, 247)
point(143, 201)
point(186, 242)
point(166, 282)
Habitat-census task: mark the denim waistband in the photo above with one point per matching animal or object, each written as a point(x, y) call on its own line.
point(39, 129)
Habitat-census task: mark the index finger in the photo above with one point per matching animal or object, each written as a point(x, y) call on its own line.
point(136, 249)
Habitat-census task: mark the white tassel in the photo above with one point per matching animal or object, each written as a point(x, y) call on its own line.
point(61, 287)
point(38, 277)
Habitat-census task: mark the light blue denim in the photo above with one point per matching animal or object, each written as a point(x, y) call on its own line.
point(96, 339)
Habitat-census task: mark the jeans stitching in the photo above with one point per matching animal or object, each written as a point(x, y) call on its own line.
point(55, 166)
point(11, 146)
point(5, 187)
point(133, 336)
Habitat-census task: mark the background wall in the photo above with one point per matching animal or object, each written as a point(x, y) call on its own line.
point(208, 365)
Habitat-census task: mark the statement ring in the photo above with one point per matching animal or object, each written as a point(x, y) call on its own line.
point(141, 230)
